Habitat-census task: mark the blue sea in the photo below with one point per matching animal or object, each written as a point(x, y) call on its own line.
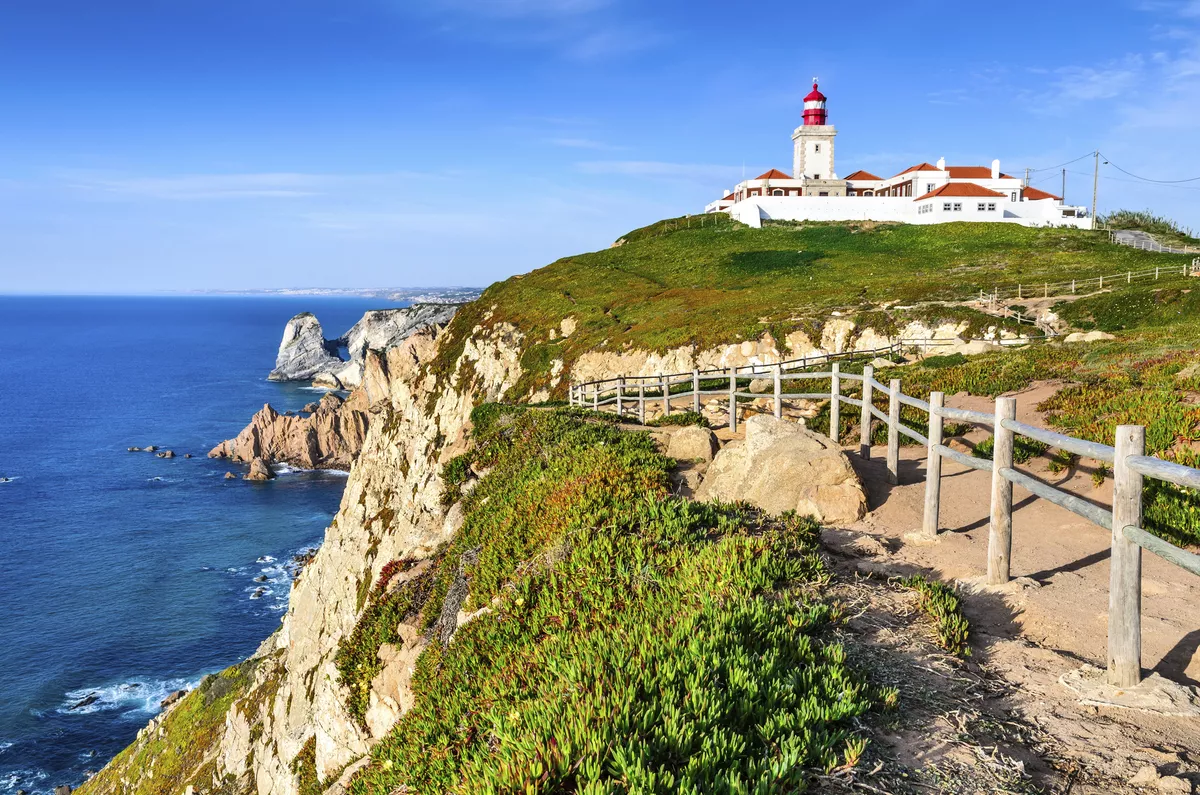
point(124, 576)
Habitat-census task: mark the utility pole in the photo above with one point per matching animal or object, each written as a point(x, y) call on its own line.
point(1095, 186)
point(1064, 189)
point(1027, 177)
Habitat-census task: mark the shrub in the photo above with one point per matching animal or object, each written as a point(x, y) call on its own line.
point(944, 607)
point(455, 473)
point(1024, 449)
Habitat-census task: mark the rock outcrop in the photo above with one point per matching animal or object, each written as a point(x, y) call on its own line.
point(783, 466)
point(328, 438)
point(304, 351)
point(306, 354)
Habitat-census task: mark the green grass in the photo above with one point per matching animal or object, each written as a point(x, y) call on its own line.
point(636, 642)
point(184, 751)
point(670, 284)
point(678, 419)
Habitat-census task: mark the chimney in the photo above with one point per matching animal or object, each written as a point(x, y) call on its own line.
point(941, 163)
point(995, 169)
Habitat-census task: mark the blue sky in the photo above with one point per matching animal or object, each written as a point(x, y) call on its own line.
point(196, 144)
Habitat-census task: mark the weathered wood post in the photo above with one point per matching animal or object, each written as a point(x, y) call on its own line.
point(1072, 287)
point(696, 391)
point(893, 454)
point(1155, 273)
point(933, 468)
point(1125, 567)
point(733, 399)
point(1128, 277)
point(596, 396)
point(778, 391)
point(835, 402)
point(864, 419)
point(571, 395)
point(641, 401)
point(1000, 531)
point(666, 400)
point(1101, 282)
point(620, 394)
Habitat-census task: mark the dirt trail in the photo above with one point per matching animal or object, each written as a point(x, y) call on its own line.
point(1050, 620)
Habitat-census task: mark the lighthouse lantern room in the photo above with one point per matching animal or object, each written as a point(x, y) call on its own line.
point(813, 157)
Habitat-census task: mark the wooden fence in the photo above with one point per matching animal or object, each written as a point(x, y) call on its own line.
point(1022, 292)
point(1127, 456)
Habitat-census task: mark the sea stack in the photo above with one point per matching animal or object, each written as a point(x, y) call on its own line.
point(303, 352)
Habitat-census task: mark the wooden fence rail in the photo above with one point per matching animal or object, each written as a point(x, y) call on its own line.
point(1130, 466)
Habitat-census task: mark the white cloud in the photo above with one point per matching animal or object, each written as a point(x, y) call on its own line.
point(1088, 83)
point(210, 187)
point(584, 143)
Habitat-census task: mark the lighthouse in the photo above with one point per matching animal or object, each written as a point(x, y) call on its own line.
point(813, 144)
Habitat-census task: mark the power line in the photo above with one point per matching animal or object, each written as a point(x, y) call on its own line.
point(1148, 179)
point(1060, 165)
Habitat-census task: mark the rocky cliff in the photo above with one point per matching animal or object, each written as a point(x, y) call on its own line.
point(305, 354)
point(329, 437)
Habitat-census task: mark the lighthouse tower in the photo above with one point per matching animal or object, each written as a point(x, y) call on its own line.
point(813, 155)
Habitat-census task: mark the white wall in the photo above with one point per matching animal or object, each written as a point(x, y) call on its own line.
point(755, 210)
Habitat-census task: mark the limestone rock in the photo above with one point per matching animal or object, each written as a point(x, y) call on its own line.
point(230, 476)
point(1087, 336)
point(172, 699)
point(259, 470)
point(329, 438)
point(303, 352)
point(783, 466)
point(391, 689)
point(692, 443)
point(384, 328)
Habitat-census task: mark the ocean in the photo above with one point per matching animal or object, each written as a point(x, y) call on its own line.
point(123, 576)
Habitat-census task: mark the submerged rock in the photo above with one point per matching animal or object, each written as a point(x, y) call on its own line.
point(86, 701)
point(230, 476)
point(134, 449)
point(167, 454)
point(304, 351)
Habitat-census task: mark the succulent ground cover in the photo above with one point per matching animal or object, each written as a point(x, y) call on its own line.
point(634, 642)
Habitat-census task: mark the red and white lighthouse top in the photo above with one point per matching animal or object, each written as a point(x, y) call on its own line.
point(814, 107)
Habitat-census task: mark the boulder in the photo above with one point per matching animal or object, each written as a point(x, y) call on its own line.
point(762, 385)
point(691, 443)
point(134, 449)
point(171, 699)
point(783, 466)
point(259, 471)
point(304, 351)
point(187, 455)
point(230, 476)
point(1087, 336)
point(62, 789)
point(150, 448)
point(167, 454)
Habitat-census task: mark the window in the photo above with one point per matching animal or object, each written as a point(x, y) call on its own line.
point(1014, 195)
point(980, 207)
point(816, 176)
point(823, 193)
point(929, 187)
point(817, 148)
point(868, 193)
point(991, 207)
point(946, 207)
point(958, 207)
point(778, 192)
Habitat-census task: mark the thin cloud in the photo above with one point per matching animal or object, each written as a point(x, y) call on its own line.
point(654, 169)
point(217, 187)
point(512, 9)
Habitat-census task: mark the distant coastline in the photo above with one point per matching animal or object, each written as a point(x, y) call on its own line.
point(430, 295)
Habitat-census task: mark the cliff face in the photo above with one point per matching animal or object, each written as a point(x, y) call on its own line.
point(304, 351)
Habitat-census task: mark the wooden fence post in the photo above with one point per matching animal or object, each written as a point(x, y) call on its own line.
point(933, 468)
point(571, 395)
point(733, 399)
point(835, 402)
point(642, 402)
point(864, 419)
point(893, 453)
point(596, 397)
point(620, 394)
point(696, 391)
point(1000, 532)
point(1072, 287)
point(666, 395)
point(1125, 567)
point(779, 391)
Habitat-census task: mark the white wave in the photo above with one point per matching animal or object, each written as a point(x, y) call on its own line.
point(317, 389)
point(265, 559)
point(132, 696)
point(21, 779)
point(9, 479)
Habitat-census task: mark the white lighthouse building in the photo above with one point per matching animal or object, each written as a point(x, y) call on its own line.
point(922, 194)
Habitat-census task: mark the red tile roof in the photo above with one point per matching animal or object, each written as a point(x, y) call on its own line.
point(969, 172)
point(1034, 194)
point(728, 198)
point(964, 189)
point(919, 167)
point(864, 175)
point(774, 174)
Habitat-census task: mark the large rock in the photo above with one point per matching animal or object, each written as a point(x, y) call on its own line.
point(381, 329)
point(329, 438)
point(692, 443)
point(304, 351)
point(259, 471)
point(783, 466)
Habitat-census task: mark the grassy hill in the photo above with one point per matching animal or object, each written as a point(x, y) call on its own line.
point(677, 282)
